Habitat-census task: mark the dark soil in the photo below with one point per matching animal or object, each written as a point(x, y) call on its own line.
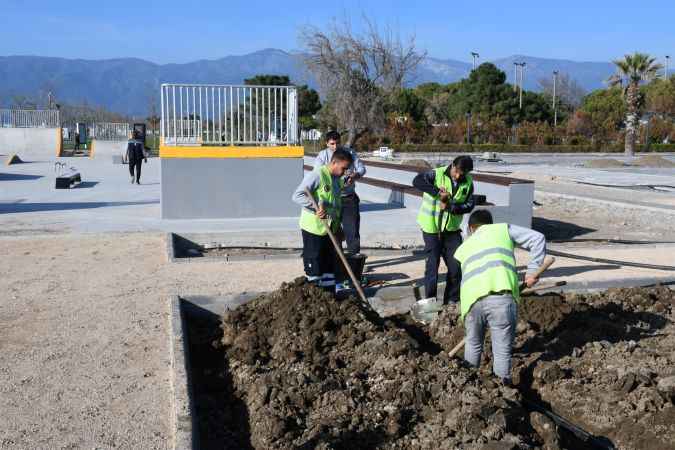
point(299, 369)
point(319, 373)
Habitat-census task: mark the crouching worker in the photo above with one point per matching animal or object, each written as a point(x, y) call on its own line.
point(490, 290)
point(325, 184)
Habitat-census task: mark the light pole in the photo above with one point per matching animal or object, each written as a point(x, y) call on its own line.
point(475, 57)
point(665, 72)
point(515, 76)
point(522, 68)
point(555, 111)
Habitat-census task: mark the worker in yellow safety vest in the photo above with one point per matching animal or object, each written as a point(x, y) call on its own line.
point(325, 184)
point(447, 196)
point(490, 292)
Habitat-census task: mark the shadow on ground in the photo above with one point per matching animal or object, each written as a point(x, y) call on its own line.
point(11, 208)
point(18, 177)
point(222, 419)
point(574, 270)
point(556, 229)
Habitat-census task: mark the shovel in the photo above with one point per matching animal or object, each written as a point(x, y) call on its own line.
point(338, 250)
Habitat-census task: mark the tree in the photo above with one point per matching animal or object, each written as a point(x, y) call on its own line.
point(569, 94)
point(603, 112)
point(660, 96)
point(486, 94)
point(308, 99)
point(359, 72)
point(633, 69)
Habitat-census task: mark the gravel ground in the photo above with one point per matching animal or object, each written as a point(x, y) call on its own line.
point(83, 336)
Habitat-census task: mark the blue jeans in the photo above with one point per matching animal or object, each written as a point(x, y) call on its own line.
point(499, 312)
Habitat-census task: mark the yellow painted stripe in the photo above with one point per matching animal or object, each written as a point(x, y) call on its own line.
point(59, 142)
point(166, 151)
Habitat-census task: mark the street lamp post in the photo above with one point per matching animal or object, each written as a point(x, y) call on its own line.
point(475, 57)
point(522, 69)
point(555, 111)
point(665, 72)
point(515, 76)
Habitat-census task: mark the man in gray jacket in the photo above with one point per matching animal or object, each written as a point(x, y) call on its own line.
point(351, 217)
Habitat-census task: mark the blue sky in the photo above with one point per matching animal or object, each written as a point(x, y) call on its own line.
point(180, 31)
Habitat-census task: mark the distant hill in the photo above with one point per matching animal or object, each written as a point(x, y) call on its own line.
point(126, 85)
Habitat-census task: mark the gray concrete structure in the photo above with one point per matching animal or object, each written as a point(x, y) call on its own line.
point(108, 150)
point(511, 199)
point(31, 143)
point(217, 188)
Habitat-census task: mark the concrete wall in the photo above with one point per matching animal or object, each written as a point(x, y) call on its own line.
point(512, 202)
point(31, 144)
point(107, 149)
point(217, 188)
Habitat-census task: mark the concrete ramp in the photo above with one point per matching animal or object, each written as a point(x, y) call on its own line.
point(13, 159)
point(109, 150)
point(31, 144)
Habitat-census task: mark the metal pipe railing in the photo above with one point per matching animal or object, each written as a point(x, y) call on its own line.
point(208, 114)
point(29, 118)
point(110, 131)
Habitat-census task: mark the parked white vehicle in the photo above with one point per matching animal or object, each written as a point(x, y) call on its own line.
point(384, 152)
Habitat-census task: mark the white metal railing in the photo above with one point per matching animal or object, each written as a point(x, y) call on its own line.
point(29, 118)
point(199, 114)
point(110, 131)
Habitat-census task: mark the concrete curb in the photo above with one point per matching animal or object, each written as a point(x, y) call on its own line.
point(171, 257)
point(183, 414)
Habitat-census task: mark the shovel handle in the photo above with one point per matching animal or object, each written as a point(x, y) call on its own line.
point(338, 250)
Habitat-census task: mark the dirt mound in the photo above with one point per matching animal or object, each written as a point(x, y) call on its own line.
point(606, 163)
point(299, 369)
point(314, 372)
point(606, 360)
point(653, 161)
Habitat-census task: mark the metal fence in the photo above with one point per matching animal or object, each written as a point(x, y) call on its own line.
point(110, 131)
point(197, 114)
point(29, 118)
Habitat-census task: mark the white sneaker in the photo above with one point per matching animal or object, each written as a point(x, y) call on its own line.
point(132, 180)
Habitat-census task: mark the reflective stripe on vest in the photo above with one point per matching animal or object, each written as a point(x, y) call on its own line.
point(488, 265)
point(429, 213)
point(324, 194)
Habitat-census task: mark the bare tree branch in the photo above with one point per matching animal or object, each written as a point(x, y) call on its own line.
point(358, 72)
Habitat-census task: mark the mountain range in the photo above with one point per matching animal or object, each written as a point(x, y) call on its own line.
point(129, 85)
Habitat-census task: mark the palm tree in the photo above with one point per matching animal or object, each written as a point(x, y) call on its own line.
point(633, 69)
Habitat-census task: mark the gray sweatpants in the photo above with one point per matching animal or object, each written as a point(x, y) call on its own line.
point(500, 313)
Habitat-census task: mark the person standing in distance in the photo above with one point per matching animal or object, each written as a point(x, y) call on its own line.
point(351, 217)
point(135, 156)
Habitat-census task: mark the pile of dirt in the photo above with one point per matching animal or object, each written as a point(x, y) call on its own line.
point(298, 369)
point(604, 361)
point(606, 163)
point(314, 372)
point(607, 360)
point(653, 161)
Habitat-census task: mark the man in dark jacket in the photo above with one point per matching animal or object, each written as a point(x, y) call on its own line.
point(448, 195)
point(135, 156)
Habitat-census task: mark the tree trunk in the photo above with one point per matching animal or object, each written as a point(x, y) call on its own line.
point(632, 118)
